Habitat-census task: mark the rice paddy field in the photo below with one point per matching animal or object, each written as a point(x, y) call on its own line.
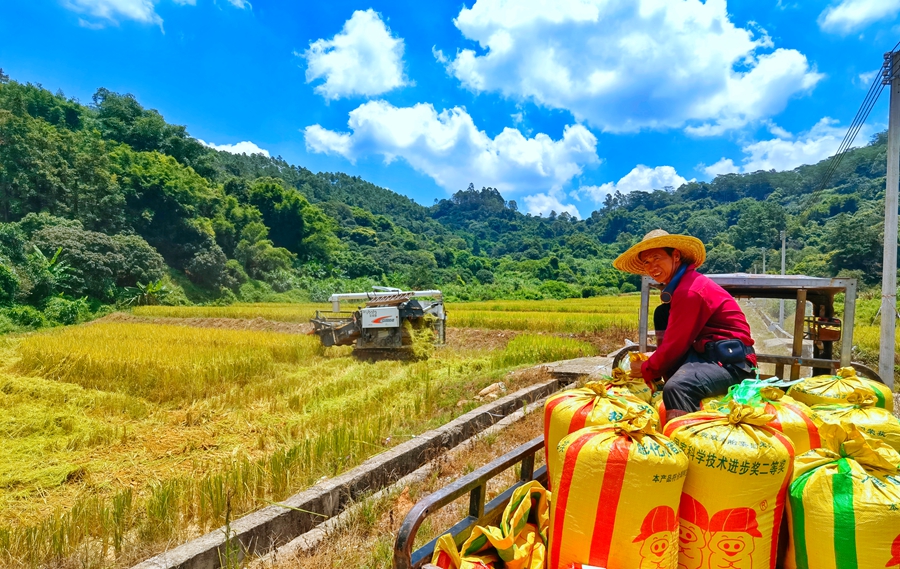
point(127, 436)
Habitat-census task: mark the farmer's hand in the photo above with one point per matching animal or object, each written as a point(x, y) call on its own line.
point(636, 368)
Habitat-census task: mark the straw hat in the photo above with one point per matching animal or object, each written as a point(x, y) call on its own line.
point(691, 249)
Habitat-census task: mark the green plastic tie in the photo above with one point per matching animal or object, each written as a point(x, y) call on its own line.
point(748, 391)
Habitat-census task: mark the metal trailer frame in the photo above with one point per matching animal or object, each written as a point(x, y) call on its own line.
point(819, 291)
point(480, 513)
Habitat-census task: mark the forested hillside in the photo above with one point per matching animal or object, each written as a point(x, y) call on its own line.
point(108, 203)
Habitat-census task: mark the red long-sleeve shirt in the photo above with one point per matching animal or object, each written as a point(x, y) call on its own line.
point(701, 312)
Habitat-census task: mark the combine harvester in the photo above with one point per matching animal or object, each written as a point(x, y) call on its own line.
point(385, 326)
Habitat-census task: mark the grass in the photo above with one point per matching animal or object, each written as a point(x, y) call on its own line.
point(118, 438)
point(366, 539)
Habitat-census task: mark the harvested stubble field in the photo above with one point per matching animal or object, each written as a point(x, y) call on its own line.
point(123, 438)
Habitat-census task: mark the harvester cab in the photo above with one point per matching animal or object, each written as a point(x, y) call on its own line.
point(388, 324)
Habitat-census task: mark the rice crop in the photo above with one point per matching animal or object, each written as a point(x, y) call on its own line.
point(158, 362)
point(556, 322)
point(625, 304)
point(112, 449)
point(279, 312)
point(529, 348)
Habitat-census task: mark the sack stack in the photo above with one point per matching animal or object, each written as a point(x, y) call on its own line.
point(835, 389)
point(861, 410)
point(845, 503)
point(735, 490)
point(791, 417)
point(622, 383)
point(588, 406)
point(616, 497)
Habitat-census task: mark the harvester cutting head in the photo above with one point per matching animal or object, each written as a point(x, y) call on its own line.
point(389, 324)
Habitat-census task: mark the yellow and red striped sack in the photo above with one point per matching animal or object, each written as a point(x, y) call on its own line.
point(615, 499)
point(791, 417)
point(622, 383)
point(844, 506)
point(660, 407)
point(738, 473)
point(519, 542)
point(874, 422)
point(835, 389)
point(591, 405)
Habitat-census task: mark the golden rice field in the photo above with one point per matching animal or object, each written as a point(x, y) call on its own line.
point(120, 439)
point(278, 312)
point(581, 315)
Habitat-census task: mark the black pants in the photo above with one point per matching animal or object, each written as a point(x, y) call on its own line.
point(698, 378)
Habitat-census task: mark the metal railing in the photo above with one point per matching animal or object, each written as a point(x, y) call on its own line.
point(480, 513)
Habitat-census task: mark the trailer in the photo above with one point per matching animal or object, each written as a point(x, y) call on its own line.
point(819, 325)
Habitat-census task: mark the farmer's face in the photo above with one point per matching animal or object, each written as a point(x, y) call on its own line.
point(660, 265)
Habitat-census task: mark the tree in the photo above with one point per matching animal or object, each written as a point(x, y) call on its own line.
point(856, 243)
point(257, 253)
point(760, 225)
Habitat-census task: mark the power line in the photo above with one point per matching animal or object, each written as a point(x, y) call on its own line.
point(862, 114)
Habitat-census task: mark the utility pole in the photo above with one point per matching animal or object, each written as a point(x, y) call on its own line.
point(764, 260)
point(781, 302)
point(891, 78)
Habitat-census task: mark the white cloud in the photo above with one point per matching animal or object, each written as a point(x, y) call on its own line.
point(439, 55)
point(624, 65)
point(114, 10)
point(245, 147)
point(848, 16)
point(543, 204)
point(820, 142)
point(865, 79)
point(641, 178)
point(363, 59)
point(449, 148)
point(723, 166)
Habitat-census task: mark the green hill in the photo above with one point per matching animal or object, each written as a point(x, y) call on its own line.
point(108, 202)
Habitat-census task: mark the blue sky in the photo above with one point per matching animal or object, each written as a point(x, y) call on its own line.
point(555, 103)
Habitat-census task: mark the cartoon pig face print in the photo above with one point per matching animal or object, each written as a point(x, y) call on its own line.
point(691, 541)
point(731, 550)
point(894, 561)
point(658, 550)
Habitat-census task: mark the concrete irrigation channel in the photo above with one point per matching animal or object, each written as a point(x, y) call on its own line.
point(267, 529)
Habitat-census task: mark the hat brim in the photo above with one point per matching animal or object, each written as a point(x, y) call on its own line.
point(690, 248)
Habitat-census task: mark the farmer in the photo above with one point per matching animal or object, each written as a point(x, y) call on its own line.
point(703, 339)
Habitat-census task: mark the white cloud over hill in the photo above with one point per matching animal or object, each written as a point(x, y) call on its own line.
point(641, 178)
point(245, 147)
point(789, 152)
point(450, 149)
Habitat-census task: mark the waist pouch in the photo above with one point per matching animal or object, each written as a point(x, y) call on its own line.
point(727, 351)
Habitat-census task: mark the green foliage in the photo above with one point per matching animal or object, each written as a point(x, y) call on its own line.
point(9, 285)
point(150, 294)
point(112, 195)
point(257, 253)
point(64, 311)
point(27, 316)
